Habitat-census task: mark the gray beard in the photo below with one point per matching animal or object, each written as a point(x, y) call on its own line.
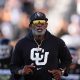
point(38, 33)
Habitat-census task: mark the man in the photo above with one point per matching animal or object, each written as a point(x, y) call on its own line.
point(40, 55)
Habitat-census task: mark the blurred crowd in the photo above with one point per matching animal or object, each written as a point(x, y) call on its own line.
point(63, 18)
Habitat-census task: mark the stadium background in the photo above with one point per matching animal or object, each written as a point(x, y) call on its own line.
point(64, 22)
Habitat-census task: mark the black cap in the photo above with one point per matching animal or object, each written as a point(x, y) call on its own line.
point(38, 16)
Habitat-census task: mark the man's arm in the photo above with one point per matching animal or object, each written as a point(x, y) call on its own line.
point(16, 59)
point(64, 57)
point(65, 61)
point(18, 66)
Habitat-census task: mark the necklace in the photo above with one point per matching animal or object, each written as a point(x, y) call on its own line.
point(38, 43)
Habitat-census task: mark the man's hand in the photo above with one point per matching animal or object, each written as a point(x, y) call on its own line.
point(56, 74)
point(28, 69)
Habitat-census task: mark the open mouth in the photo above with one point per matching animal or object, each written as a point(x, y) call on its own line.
point(39, 30)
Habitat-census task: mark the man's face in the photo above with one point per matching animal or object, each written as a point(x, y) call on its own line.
point(38, 27)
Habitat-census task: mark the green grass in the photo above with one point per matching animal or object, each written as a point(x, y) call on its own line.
point(4, 77)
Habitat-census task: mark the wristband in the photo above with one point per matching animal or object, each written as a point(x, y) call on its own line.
point(20, 72)
point(62, 71)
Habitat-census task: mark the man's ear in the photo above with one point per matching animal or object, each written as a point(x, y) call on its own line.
point(46, 25)
point(30, 25)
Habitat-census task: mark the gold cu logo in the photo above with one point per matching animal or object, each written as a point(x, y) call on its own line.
point(35, 56)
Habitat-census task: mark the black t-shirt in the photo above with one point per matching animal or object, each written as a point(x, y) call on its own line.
point(52, 54)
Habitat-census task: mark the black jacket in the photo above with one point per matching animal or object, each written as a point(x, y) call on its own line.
point(53, 54)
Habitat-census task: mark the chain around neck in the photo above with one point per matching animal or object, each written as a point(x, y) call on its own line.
point(38, 43)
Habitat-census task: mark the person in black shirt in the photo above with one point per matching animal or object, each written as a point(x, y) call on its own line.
point(40, 55)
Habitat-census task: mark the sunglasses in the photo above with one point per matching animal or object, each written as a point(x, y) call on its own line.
point(39, 22)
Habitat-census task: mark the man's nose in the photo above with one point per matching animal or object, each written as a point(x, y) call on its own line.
point(39, 25)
